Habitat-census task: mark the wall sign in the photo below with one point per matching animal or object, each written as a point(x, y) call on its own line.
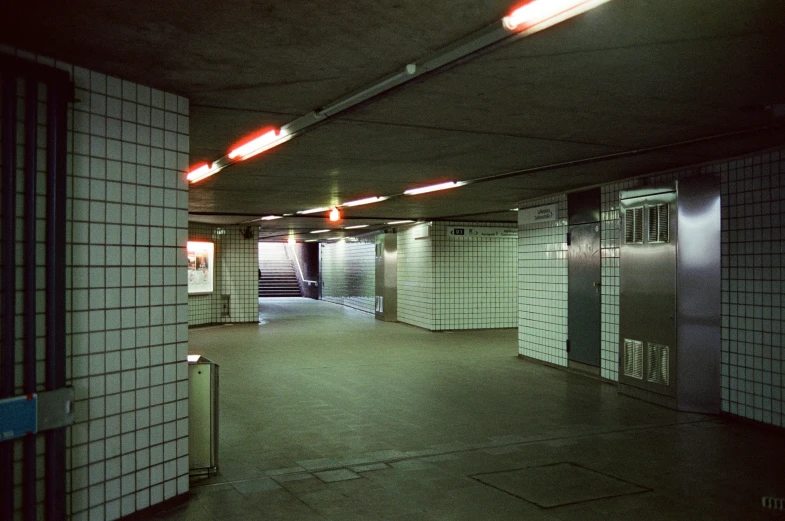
point(539, 214)
point(200, 267)
point(470, 232)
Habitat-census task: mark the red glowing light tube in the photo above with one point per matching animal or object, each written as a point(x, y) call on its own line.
point(536, 12)
point(258, 144)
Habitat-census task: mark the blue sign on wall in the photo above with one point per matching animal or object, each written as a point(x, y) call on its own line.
point(18, 416)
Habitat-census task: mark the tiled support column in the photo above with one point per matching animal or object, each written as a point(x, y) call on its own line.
point(542, 283)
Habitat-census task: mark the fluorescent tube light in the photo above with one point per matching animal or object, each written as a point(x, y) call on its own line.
point(314, 210)
point(260, 144)
point(400, 222)
point(202, 171)
point(312, 240)
point(357, 227)
point(271, 217)
point(434, 188)
point(367, 200)
point(538, 11)
point(320, 231)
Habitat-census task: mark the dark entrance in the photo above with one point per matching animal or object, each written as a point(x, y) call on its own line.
point(584, 276)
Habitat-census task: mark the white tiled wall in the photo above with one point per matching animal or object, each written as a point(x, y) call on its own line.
point(449, 284)
point(753, 269)
point(542, 282)
point(476, 279)
point(349, 273)
point(235, 296)
point(126, 295)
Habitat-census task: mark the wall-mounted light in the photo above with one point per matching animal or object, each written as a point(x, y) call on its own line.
point(434, 188)
point(291, 240)
point(367, 200)
point(267, 140)
point(201, 171)
point(335, 215)
point(314, 210)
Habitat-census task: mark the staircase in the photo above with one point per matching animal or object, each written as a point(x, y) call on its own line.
point(278, 276)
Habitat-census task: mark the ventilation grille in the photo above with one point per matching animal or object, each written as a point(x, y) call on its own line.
point(633, 225)
point(658, 223)
point(633, 358)
point(657, 369)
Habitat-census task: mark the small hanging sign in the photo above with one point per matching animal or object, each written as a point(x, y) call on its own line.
point(538, 214)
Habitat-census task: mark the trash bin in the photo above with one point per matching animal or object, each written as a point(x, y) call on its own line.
point(202, 415)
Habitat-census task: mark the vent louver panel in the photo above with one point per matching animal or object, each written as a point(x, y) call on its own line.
point(657, 369)
point(658, 223)
point(633, 358)
point(633, 225)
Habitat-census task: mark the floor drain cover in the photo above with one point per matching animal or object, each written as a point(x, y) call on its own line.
point(561, 484)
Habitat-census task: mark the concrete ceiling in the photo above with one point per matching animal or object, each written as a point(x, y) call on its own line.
point(632, 87)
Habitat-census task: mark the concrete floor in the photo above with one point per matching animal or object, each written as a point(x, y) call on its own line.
point(328, 414)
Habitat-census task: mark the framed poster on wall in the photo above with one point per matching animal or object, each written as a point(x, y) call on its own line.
point(200, 267)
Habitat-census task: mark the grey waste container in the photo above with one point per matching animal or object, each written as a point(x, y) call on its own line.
point(202, 415)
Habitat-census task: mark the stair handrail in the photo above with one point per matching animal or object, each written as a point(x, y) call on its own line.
point(299, 268)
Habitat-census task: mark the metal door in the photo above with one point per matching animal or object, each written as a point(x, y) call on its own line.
point(583, 306)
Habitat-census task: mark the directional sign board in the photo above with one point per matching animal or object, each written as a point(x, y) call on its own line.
point(472, 232)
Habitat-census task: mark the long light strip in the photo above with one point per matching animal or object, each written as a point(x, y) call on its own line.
point(400, 222)
point(434, 188)
point(256, 146)
point(314, 210)
point(201, 172)
point(367, 200)
point(321, 231)
point(271, 217)
point(532, 17)
point(357, 227)
point(537, 12)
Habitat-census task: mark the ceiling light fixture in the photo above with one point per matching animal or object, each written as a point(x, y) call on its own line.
point(434, 188)
point(537, 12)
point(261, 143)
point(202, 171)
point(335, 215)
point(356, 227)
point(313, 210)
point(367, 200)
point(400, 222)
point(320, 231)
point(271, 217)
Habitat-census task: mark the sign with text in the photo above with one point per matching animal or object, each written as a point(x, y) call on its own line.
point(539, 214)
point(470, 232)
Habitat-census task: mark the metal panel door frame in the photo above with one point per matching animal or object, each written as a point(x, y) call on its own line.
point(52, 89)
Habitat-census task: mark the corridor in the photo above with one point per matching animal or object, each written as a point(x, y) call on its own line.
point(328, 414)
